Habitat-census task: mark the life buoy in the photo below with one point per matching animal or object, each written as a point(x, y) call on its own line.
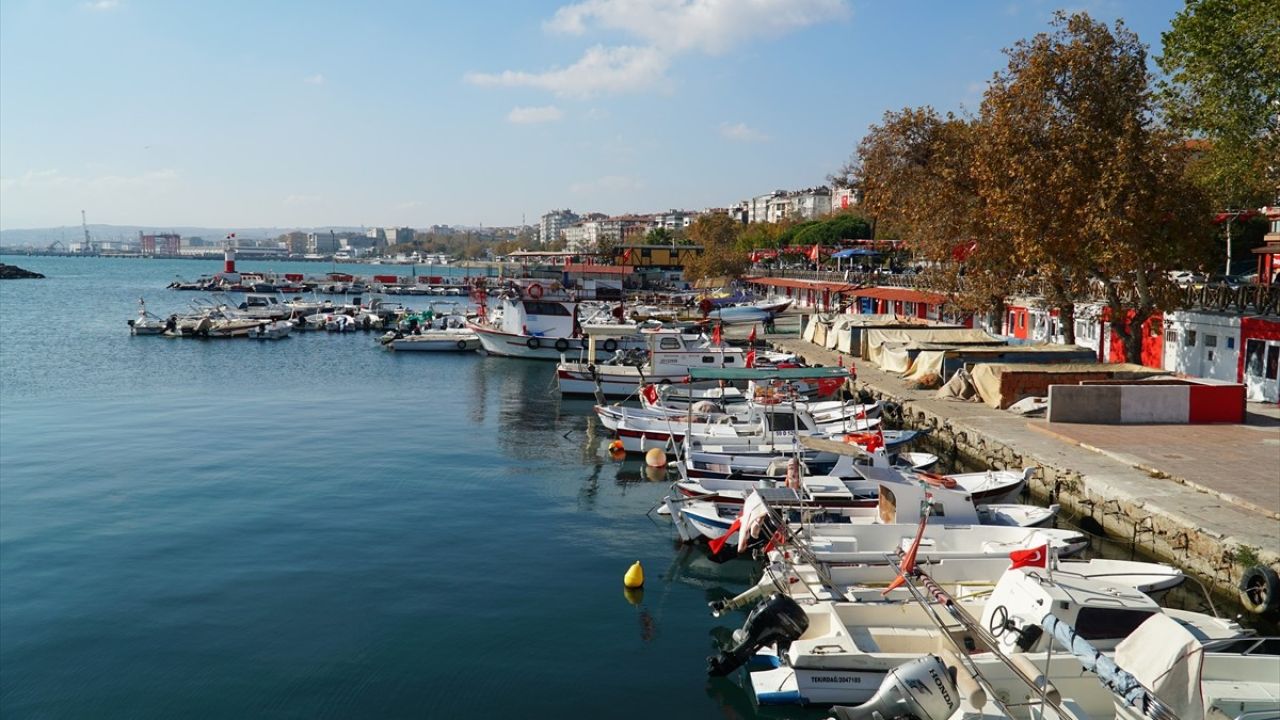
point(610, 345)
point(535, 291)
point(1259, 589)
point(462, 344)
point(533, 343)
point(561, 345)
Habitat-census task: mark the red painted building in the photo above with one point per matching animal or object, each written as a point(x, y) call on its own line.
point(1260, 359)
point(1152, 340)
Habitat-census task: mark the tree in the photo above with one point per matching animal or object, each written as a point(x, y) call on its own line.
point(718, 235)
point(1222, 64)
point(1073, 175)
point(916, 172)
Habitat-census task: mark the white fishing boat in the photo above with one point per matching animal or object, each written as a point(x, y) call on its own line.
point(449, 340)
point(640, 431)
point(755, 312)
point(533, 321)
point(669, 354)
point(274, 330)
point(845, 649)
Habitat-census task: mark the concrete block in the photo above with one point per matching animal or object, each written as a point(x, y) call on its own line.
point(1155, 403)
point(1084, 404)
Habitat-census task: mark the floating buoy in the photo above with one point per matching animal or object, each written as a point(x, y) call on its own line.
point(655, 458)
point(633, 595)
point(616, 447)
point(634, 577)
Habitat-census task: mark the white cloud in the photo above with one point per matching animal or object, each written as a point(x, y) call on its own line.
point(710, 26)
point(741, 133)
point(600, 70)
point(530, 115)
point(316, 79)
point(608, 183)
point(297, 199)
point(103, 5)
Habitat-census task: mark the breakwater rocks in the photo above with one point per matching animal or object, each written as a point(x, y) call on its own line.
point(13, 272)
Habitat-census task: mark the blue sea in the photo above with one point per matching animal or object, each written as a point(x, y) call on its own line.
point(317, 528)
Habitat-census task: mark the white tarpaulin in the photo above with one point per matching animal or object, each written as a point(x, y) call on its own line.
point(989, 377)
point(893, 357)
point(960, 387)
point(927, 362)
point(875, 337)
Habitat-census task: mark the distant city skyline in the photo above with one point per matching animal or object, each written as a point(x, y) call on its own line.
point(298, 115)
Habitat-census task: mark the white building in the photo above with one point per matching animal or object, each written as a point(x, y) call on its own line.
point(321, 243)
point(1202, 344)
point(554, 223)
point(779, 205)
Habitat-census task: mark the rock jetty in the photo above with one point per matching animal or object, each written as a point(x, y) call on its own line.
point(13, 272)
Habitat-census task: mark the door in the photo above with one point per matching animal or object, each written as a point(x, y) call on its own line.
point(1262, 369)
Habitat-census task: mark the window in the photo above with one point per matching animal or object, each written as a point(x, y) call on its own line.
point(669, 343)
point(1171, 336)
point(533, 307)
point(1154, 329)
point(782, 422)
point(1022, 320)
point(1210, 341)
point(1231, 343)
point(1190, 340)
point(1273, 361)
point(1101, 623)
point(1253, 353)
point(707, 359)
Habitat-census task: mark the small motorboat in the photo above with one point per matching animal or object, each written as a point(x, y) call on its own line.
point(450, 340)
point(147, 323)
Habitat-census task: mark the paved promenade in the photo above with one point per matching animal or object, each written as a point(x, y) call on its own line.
point(1209, 488)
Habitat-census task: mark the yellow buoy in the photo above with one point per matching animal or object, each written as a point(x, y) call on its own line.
point(655, 458)
point(634, 577)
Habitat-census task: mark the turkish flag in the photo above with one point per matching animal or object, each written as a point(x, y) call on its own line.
point(815, 252)
point(1035, 557)
point(650, 393)
point(909, 559)
point(751, 358)
point(752, 337)
point(716, 337)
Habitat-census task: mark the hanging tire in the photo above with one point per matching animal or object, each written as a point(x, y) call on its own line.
point(610, 345)
point(533, 343)
point(1259, 589)
point(562, 345)
point(462, 344)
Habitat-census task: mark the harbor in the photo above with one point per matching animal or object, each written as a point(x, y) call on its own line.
point(525, 487)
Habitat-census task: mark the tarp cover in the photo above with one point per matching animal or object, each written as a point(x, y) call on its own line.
point(926, 362)
point(1166, 658)
point(700, 373)
point(893, 357)
point(987, 377)
point(876, 337)
point(960, 387)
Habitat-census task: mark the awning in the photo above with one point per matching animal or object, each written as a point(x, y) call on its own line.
point(854, 252)
point(807, 373)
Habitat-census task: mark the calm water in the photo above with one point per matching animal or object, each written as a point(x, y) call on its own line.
point(318, 528)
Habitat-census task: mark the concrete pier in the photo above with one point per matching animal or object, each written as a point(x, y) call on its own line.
point(1205, 498)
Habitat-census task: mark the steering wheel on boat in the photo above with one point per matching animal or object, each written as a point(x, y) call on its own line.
point(999, 624)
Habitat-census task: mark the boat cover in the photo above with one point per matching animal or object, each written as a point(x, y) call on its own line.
point(1166, 659)
point(764, 374)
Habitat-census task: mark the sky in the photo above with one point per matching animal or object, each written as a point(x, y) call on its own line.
point(307, 114)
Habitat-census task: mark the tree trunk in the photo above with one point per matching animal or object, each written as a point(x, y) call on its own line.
point(1067, 318)
point(995, 317)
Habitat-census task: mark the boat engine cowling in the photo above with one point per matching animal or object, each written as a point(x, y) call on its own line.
point(921, 689)
point(777, 620)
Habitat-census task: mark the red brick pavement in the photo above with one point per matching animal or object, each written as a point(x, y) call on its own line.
point(1238, 462)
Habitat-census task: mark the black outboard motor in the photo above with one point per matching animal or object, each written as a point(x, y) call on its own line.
point(777, 620)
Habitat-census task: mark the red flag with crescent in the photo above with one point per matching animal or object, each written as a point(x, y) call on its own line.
point(1035, 557)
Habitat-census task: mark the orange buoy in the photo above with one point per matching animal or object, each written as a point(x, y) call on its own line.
point(655, 458)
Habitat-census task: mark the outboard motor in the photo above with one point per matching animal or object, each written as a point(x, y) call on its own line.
point(777, 620)
point(920, 690)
